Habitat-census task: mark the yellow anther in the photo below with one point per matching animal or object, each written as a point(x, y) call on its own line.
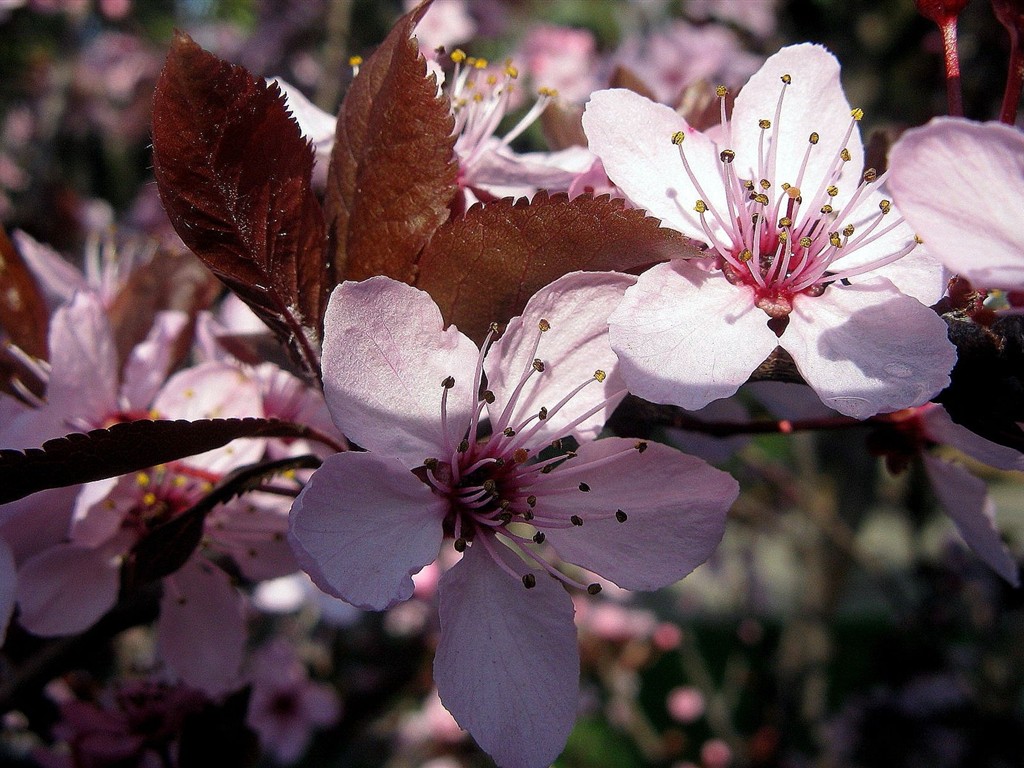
point(479, 63)
point(783, 236)
point(785, 186)
point(149, 499)
point(727, 155)
point(179, 481)
point(764, 125)
point(826, 209)
point(492, 80)
point(805, 241)
point(857, 113)
point(765, 184)
point(511, 70)
point(845, 155)
point(786, 79)
point(678, 137)
point(701, 207)
point(142, 479)
point(600, 375)
point(547, 92)
point(814, 137)
point(458, 56)
point(538, 365)
point(748, 184)
point(848, 230)
point(870, 175)
point(544, 325)
point(355, 61)
point(761, 199)
point(721, 91)
point(793, 192)
point(834, 239)
point(918, 240)
point(832, 190)
point(785, 221)
point(745, 255)
point(885, 206)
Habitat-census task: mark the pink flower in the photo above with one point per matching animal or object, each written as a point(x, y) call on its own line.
point(409, 391)
point(286, 706)
point(807, 253)
point(959, 184)
point(561, 58)
point(961, 495)
point(446, 23)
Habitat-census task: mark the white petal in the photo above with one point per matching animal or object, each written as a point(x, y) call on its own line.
point(869, 349)
point(687, 336)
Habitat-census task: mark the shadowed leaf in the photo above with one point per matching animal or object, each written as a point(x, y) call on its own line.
point(484, 267)
point(234, 176)
point(167, 281)
point(392, 173)
point(23, 313)
point(166, 548)
point(127, 447)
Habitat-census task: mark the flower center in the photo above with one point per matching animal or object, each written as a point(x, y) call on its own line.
point(774, 238)
point(480, 98)
point(491, 476)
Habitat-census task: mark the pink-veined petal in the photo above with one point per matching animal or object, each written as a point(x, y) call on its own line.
point(965, 499)
point(675, 509)
point(942, 429)
point(83, 377)
point(918, 274)
point(66, 589)
point(687, 336)
point(148, 364)
point(576, 307)
point(201, 630)
point(507, 663)
point(101, 507)
point(869, 349)
point(214, 391)
point(386, 352)
point(56, 277)
point(363, 525)
point(814, 101)
point(633, 137)
point(959, 184)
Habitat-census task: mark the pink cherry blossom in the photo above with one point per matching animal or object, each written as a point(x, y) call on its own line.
point(446, 23)
point(807, 253)
point(286, 706)
point(961, 495)
point(959, 184)
point(407, 389)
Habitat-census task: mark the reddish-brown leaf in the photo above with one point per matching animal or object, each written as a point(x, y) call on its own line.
point(166, 548)
point(167, 281)
point(23, 313)
point(483, 267)
point(234, 175)
point(127, 447)
point(392, 174)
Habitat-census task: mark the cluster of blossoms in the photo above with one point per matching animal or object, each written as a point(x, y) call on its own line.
point(490, 466)
point(66, 551)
